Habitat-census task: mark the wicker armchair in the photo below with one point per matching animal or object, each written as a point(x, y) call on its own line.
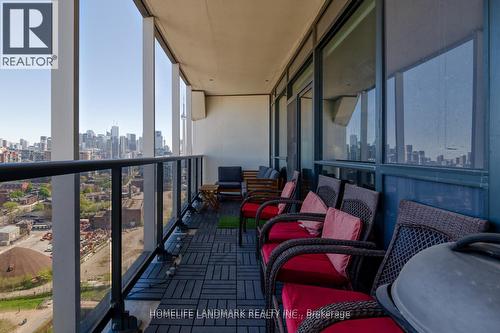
point(418, 227)
point(357, 201)
point(255, 204)
point(328, 190)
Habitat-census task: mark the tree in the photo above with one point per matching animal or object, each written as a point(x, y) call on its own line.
point(29, 187)
point(16, 194)
point(38, 207)
point(10, 206)
point(44, 192)
point(87, 190)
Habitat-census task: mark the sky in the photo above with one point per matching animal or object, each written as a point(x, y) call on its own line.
point(442, 90)
point(110, 79)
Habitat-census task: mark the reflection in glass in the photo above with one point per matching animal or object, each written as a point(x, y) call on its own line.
point(283, 120)
point(348, 89)
point(435, 113)
point(304, 78)
point(273, 130)
point(361, 178)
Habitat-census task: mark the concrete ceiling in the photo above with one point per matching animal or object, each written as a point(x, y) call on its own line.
point(227, 47)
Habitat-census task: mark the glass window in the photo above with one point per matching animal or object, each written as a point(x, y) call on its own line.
point(283, 120)
point(306, 142)
point(183, 117)
point(25, 125)
point(273, 130)
point(301, 56)
point(329, 16)
point(281, 85)
point(305, 77)
point(435, 107)
point(110, 105)
point(163, 102)
point(348, 89)
point(110, 88)
point(361, 178)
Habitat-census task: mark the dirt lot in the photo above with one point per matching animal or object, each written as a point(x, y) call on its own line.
point(98, 265)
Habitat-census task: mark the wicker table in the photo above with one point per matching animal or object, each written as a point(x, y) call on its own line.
point(209, 195)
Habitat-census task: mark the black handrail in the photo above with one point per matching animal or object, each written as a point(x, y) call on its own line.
point(23, 171)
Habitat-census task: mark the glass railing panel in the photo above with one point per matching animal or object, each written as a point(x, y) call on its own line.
point(95, 241)
point(26, 255)
point(132, 216)
point(168, 178)
point(184, 182)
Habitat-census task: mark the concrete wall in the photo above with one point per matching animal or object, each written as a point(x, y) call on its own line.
point(234, 133)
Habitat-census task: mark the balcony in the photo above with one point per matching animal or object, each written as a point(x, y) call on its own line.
point(382, 112)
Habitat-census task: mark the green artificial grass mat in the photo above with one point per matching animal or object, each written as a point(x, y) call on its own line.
point(233, 222)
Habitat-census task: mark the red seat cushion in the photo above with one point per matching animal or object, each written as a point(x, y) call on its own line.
point(304, 298)
point(306, 268)
point(283, 231)
point(250, 211)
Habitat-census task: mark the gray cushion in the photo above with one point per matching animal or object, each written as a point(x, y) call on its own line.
point(231, 185)
point(230, 174)
point(274, 174)
point(268, 173)
point(262, 171)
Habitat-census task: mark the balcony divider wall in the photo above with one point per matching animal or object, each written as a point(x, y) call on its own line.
point(466, 189)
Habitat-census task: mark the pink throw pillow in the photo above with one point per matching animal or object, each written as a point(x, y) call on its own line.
point(286, 193)
point(313, 204)
point(342, 226)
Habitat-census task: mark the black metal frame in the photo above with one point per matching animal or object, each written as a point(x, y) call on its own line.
point(119, 287)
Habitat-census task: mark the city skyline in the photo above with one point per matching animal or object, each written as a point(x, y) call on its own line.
point(92, 145)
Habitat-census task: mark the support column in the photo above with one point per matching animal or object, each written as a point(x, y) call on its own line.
point(189, 122)
point(148, 131)
point(176, 118)
point(65, 189)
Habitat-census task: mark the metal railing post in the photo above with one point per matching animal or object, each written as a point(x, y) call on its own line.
point(201, 171)
point(176, 191)
point(163, 254)
point(121, 320)
point(196, 178)
point(190, 184)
